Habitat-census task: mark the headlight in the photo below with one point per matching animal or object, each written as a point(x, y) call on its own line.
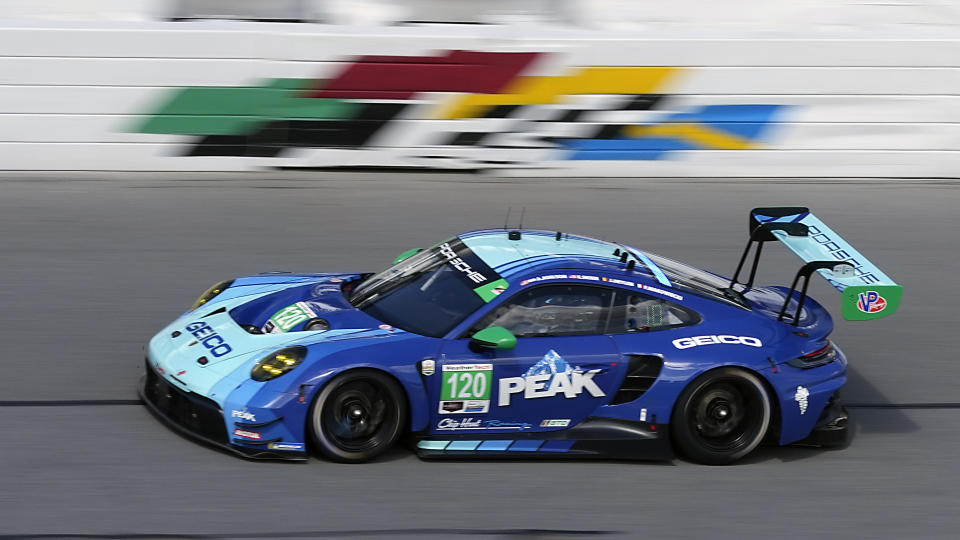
point(210, 293)
point(278, 363)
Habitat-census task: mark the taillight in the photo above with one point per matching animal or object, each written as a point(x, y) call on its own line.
point(819, 357)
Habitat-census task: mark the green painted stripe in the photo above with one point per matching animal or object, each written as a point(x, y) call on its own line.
point(232, 110)
point(199, 125)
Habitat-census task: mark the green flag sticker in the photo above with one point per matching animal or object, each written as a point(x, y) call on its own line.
point(492, 290)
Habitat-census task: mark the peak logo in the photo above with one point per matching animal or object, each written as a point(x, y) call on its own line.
point(871, 302)
point(570, 385)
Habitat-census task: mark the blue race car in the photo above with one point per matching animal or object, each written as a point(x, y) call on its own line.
point(521, 343)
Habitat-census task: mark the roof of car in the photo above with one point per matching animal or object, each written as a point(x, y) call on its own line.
point(541, 250)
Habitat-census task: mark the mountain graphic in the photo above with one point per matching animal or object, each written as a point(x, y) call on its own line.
point(550, 364)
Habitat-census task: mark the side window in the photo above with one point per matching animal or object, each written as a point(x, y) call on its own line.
point(635, 312)
point(552, 310)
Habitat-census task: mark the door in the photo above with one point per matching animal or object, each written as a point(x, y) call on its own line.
point(560, 371)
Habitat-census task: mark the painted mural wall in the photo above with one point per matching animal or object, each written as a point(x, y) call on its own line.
point(247, 96)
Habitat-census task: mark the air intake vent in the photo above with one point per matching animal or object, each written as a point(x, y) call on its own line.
point(642, 371)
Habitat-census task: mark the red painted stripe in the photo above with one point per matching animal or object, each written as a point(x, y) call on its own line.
point(400, 77)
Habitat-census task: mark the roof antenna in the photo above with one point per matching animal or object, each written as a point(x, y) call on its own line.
point(515, 234)
point(507, 219)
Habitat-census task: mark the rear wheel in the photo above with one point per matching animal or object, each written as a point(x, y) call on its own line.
point(722, 416)
point(358, 416)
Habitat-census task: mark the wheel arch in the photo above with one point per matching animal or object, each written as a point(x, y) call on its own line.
point(773, 429)
point(416, 408)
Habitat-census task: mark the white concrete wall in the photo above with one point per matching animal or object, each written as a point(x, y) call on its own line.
point(73, 94)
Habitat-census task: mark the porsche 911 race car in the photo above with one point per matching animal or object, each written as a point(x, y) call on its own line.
point(521, 343)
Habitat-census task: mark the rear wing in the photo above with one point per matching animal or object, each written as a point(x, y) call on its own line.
point(866, 292)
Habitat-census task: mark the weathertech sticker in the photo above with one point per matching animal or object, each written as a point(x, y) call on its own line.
point(465, 388)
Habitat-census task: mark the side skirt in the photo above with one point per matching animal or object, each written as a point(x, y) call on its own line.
point(593, 438)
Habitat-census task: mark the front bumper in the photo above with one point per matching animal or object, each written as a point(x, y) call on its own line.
point(197, 417)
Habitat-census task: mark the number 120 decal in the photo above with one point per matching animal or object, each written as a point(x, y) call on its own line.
point(465, 388)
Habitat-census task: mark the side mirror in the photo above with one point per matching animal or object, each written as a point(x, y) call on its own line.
point(406, 255)
point(495, 337)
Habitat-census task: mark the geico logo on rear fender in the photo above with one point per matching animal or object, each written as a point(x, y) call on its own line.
point(721, 339)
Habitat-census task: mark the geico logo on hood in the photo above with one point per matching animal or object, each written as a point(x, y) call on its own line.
point(535, 386)
point(724, 339)
point(210, 339)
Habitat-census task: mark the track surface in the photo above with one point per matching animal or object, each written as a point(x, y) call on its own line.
point(93, 265)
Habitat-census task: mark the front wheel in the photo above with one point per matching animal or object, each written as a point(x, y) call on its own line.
point(358, 416)
point(722, 416)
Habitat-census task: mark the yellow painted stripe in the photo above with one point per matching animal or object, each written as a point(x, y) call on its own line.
point(549, 90)
point(699, 134)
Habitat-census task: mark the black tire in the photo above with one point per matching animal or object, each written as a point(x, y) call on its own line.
point(721, 416)
point(357, 416)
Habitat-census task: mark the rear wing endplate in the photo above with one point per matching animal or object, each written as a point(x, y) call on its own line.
point(866, 292)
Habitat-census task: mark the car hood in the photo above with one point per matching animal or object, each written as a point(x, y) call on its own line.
point(209, 347)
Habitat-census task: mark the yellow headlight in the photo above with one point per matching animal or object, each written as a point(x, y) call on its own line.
point(278, 363)
point(210, 293)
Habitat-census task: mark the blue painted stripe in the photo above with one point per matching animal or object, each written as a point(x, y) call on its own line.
point(557, 446)
point(497, 446)
point(462, 445)
point(525, 446)
point(433, 445)
point(657, 272)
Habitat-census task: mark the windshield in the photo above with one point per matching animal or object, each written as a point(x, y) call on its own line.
point(430, 292)
point(697, 280)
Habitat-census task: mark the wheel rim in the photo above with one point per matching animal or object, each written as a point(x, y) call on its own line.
point(726, 415)
point(357, 416)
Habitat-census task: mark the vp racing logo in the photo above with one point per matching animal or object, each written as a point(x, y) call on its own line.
point(871, 302)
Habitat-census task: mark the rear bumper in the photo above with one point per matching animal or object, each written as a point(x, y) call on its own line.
point(832, 426)
point(197, 417)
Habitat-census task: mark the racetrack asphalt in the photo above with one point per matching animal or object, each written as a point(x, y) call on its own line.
point(94, 264)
